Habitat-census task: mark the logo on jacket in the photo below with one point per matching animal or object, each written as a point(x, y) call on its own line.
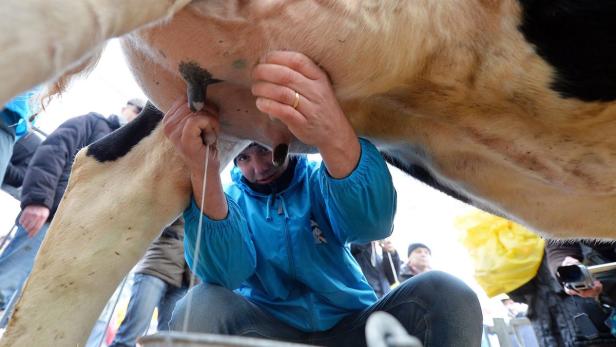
point(317, 233)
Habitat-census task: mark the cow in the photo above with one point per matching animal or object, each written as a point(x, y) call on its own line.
point(506, 104)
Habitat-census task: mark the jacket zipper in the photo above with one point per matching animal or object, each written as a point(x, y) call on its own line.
point(310, 310)
point(289, 244)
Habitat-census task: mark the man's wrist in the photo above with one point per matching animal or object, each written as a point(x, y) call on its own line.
point(341, 155)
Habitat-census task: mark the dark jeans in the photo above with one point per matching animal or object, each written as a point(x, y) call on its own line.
point(437, 308)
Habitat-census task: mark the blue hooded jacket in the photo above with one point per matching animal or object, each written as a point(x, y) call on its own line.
point(289, 252)
point(21, 109)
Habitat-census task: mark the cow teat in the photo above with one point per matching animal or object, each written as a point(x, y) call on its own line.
point(197, 79)
point(279, 154)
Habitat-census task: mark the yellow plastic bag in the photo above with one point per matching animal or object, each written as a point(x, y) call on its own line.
point(505, 254)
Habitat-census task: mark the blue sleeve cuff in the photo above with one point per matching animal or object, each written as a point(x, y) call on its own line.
point(361, 206)
point(369, 159)
point(192, 212)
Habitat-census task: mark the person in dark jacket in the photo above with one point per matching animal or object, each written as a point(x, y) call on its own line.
point(594, 301)
point(23, 151)
point(589, 252)
point(380, 264)
point(559, 319)
point(44, 184)
point(161, 279)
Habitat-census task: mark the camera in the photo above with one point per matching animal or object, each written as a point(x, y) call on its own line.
point(575, 277)
point(580, 277)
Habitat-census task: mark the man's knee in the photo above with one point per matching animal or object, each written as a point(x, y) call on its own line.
point(451, 294)
point(440, 290)
point(213, 309)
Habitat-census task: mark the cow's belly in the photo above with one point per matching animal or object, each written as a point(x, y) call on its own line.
point(227, 40)
point(486, 124)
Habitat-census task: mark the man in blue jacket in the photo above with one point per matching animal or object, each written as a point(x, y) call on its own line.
point(274, 256)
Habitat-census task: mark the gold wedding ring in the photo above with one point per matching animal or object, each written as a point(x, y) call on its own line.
point(296, 103)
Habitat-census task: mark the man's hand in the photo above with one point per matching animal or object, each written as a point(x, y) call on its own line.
point(188, 131)
point(570, 261)
point(33, 217)
point(313, 115)
point(388, 246)
point(593, 292)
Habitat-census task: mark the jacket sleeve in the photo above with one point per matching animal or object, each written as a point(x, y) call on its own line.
point(47, 165)
point(14, 175)
point(557, 250)
point(361, 206)
point(227, 255)
point(391, 266)
point(22, 154)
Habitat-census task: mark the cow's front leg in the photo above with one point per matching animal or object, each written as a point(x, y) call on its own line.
point(122, 191)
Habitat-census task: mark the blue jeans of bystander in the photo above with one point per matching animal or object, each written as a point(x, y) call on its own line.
point(16, 262)
point(15, 265)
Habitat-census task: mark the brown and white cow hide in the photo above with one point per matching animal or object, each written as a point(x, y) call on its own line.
point(507, 104)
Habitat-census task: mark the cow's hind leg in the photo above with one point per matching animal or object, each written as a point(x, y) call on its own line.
point(122, 191)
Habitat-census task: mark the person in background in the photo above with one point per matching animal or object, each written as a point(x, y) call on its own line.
point(419, 259)
point(14, 124)
point(43, 186)
point(23, 151)
point(514, 309)
point(593, 307)
point(379, 262)
point(589, 252)
point(161, 279)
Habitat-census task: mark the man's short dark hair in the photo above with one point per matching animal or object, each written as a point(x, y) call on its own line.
point(414, 246)
point(253, 144)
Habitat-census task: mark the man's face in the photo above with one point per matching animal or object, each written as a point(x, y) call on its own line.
point(130, 112)
point(255, 163)
point(420, 257)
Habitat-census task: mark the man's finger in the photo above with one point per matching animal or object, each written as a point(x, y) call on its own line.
point(22, 219)
point(176, 105)
point(175, 115)
point(278, 93)
point(175, 134)
point(35, 224)
point(283, 112)
point(32, 232)
point(204, 128)
point(26, 222)
point(283, 76)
